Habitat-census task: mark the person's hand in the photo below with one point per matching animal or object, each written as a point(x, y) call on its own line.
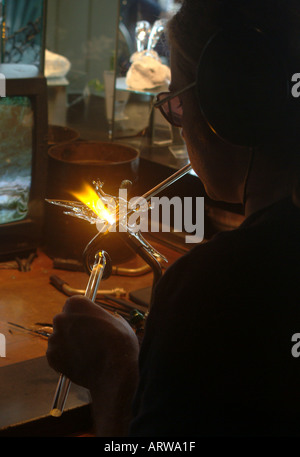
point(99, 351)
point(88, 343)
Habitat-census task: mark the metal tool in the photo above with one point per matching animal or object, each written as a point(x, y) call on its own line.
point(42, 332)
point(64, 383)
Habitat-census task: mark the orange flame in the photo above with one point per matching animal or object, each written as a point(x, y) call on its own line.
point(90, 198)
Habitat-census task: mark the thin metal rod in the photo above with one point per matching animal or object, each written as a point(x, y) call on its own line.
point(63, 386)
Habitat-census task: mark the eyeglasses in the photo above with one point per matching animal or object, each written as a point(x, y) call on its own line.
point(170, 105)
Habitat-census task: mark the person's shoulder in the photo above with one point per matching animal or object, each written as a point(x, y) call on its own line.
point(206, 255)
point(198, 268)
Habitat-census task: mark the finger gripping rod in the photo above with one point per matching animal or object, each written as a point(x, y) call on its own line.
point(63, 385)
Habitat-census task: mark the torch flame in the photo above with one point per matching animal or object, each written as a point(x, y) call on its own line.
point(90, 198)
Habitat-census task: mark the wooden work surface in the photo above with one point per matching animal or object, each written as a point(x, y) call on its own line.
point(27, 382)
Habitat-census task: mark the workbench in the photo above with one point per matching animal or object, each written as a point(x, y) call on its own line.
point(27, 382)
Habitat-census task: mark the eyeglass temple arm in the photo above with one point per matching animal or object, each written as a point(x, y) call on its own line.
point(157, 104)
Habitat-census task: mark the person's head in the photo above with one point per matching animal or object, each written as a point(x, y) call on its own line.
point(222, 166)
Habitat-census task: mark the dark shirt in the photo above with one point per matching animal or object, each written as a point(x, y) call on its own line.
point(216, 357)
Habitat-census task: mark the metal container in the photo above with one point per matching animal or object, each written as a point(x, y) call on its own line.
point(59, 134)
